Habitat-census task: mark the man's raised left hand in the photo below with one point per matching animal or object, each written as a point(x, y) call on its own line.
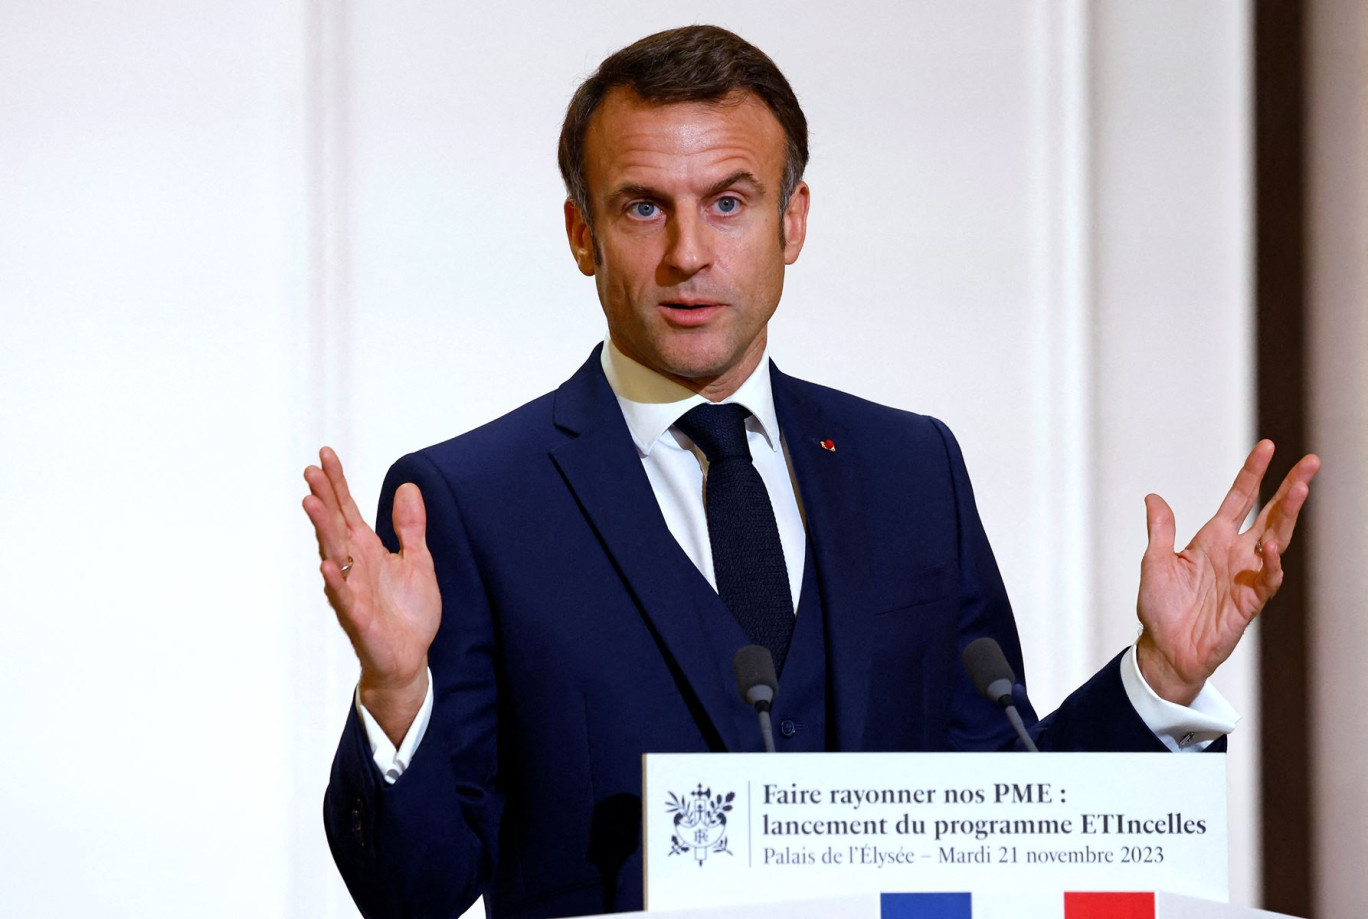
point(1195, 604)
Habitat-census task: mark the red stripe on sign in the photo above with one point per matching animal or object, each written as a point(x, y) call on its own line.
point(1109, 906)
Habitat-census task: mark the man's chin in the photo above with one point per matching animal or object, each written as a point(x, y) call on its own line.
point(700, 371)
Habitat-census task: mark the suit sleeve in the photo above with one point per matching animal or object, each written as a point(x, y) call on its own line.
point(424, 846)
point(1096, 717)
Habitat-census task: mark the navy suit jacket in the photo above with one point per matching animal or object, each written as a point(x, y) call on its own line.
point(573, 640)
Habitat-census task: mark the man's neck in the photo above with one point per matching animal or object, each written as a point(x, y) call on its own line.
point(652, 402)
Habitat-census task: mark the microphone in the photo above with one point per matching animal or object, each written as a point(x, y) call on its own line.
point(757, 684)
point(993, 678)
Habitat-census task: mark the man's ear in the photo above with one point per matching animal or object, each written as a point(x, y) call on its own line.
point(795, 223)
point(581, 237)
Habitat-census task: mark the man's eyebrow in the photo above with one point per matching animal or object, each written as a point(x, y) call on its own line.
point(742, 176)
point(633, 191)
point(736, 178)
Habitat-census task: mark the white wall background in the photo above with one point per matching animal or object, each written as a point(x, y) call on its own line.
point(234, 231)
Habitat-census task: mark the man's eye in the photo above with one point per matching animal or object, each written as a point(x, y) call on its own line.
point(644, 209)
point(729, 204)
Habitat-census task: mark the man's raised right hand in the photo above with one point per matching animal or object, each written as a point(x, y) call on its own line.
point(387, 603)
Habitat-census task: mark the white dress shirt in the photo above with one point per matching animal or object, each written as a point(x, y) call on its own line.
point(677, 470)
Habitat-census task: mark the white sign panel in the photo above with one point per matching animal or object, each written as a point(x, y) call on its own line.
point(753, 827)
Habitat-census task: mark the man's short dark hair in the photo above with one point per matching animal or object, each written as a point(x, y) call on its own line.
point(691, 64)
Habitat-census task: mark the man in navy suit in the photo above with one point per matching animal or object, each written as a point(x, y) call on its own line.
point(541, 606)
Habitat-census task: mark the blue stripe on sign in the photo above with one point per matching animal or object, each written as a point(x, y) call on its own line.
point(925, 906)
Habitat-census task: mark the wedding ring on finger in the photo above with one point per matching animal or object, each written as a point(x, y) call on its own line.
point(347, 567)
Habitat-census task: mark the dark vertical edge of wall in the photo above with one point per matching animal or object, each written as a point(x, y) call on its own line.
point(1280, 292)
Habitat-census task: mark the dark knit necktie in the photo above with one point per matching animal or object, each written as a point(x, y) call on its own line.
point(748, 559)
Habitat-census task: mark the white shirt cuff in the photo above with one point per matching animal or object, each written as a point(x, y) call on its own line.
point(1181, 728)
point(388, 760)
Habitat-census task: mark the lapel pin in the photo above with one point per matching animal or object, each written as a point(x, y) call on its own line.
point(829, 445)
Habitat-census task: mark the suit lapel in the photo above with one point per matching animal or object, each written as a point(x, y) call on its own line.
point(603, 470)
point(833, 508)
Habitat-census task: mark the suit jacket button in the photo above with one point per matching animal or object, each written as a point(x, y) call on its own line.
point(357, 824)
point(787, 727)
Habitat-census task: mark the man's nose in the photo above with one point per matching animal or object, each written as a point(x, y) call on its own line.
point(690, 244)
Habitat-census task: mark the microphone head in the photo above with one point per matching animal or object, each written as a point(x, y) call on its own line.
point(988, 668)
point(755, 677)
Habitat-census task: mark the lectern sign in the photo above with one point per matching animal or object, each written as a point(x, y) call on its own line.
point(745, 828)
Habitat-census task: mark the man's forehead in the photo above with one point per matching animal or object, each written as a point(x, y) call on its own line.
point(630, 134)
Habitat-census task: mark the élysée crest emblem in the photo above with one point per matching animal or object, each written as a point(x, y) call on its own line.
point(700, 822)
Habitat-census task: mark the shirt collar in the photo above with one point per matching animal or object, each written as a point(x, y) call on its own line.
point(651, 403)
